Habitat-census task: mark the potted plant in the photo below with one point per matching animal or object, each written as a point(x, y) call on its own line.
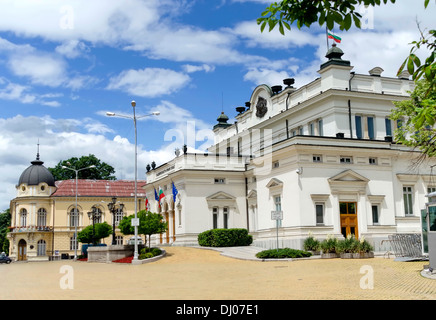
point(311, 244)
point(328, 247)
point(348, 247)
point(364, 249)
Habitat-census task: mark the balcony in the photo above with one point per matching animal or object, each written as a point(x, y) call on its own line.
point(31, 229)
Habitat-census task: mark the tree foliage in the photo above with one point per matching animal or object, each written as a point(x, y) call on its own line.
point(417, 119)
point(102, 170)
point(149, 223)
point(87, 235)
point(305, 13)
point(5, 222)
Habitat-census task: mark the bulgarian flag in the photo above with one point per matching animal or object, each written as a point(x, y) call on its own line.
point(330, 35)
point(147, 204)
point(161, 194)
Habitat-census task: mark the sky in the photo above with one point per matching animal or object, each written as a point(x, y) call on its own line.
point(65, 63)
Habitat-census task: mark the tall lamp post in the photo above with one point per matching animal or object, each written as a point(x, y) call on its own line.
point(134, 118)
point(76, 212)
point(113, 208)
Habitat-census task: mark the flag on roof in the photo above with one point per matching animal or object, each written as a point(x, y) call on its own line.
point(336, 38)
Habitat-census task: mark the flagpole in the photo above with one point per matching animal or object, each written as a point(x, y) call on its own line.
point(327, 36)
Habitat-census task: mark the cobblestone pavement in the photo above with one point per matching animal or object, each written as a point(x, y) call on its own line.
point(198, 274)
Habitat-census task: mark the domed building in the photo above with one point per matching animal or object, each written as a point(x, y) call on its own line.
point(43, 224)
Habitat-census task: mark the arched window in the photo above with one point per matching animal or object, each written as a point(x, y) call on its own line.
point(97, 215)
point(41, 248)
point(74, 218)
point(41, 217)
point(23, 217)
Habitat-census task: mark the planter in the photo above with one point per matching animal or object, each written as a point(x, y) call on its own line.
point(330, 255)
point(314, 252)
point(347, 255)
point(363, 255)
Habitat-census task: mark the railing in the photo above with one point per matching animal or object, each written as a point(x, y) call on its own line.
point(31, 229)
point(406, 245)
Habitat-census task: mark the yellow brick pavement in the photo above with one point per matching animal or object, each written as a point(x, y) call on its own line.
point(193, 274)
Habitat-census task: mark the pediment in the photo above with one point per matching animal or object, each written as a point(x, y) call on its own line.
point(274, 182)
point(348, 181)
point(220, 199)
point(252, 194)
point(220, 196)
point(348, 175)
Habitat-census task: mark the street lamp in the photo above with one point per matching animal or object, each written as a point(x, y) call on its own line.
point(134, 118)
point(113, 208)
point(94, 215)
point(76, 212)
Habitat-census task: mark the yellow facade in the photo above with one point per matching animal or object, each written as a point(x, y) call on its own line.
point(42, 227)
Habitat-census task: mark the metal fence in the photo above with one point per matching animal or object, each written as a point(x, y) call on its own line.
point(406, 245)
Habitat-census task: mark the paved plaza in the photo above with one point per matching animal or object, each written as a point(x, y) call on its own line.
point(201, 274)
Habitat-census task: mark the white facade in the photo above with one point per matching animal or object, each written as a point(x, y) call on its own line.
point(322, 154)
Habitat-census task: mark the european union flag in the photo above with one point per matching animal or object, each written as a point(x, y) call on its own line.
point(175, 192)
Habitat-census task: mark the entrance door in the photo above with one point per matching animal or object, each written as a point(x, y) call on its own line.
point(348, 213)
point(22, 250)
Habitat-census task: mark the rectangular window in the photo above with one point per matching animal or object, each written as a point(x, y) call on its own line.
point(375, 214)
point(431, 189)
point(320, 128)
point(408, 200)
point(373, 161)
point(300, 131)
point(359, 133)
point(311, 129)
point(276, 164)
point(215, 218)
point(346, 160)
point(226, 217)
point(317, 158)
point(220, 180)
point(388, 126)
point(319, 208)
point(371, 131)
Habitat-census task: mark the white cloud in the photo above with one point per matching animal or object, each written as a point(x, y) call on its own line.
point(72, 49)
point(188, 68)
point(149, 82)
point(62, 139)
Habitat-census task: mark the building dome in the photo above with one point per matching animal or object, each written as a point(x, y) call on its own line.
point(36, 174)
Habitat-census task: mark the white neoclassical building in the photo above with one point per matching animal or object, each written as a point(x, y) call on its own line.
point(320, 155)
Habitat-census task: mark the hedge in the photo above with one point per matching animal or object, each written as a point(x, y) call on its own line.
point(225, 238)
point(282, 253)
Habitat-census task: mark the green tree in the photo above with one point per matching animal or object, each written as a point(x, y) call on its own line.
point(5, 222)
point(93, 233)
point(102, 170)
point(420, 116)
point(417, 118)
point(149, 223)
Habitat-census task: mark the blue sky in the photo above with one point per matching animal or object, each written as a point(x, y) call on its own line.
point(64, 64)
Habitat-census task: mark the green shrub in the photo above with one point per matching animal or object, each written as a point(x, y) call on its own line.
point(147, 253)
point(329, 245)
point(311, 244)
point(282, 254)
point(225, 238)
point(348, 245)
point(364, 245)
